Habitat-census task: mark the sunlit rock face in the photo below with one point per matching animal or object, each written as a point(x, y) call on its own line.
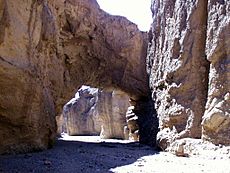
point(96, 112)
point(216, 120)
point(79, 114)
point(111, 108)
point(188, 65)
point(47, 50)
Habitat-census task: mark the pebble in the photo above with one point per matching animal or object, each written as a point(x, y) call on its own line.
point(47, 162)
point(140, 165)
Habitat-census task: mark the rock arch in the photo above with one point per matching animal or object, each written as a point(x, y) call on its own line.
point(48, 50)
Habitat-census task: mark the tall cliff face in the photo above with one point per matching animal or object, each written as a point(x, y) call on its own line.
point(188, 65)
point(216, 120)
point(94, 112)
point(50, 48)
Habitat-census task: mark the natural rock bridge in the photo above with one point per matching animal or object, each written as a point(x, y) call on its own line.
point(51, 48)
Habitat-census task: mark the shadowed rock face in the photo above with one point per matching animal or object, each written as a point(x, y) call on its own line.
point(50, 48)
point(188, 64)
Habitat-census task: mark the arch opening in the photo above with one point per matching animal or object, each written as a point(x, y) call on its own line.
point(95, 112)
point(63, 46)
point(109, 114)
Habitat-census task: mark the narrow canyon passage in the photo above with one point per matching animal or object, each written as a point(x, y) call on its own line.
point(176, 77)
point(62, 46)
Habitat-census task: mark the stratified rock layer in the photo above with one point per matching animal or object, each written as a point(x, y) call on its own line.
point(47, 50)
point(188, 64)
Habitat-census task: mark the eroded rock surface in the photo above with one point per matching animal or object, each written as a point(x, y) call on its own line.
point(94, 112)
point(216, 120)
point(112, 109)
point(188, 64)
point(79, 114)
point(178, 66)
point(50, 48)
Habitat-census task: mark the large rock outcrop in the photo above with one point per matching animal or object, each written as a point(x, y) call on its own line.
point(94, 112)
point(111, 108)
point(79, 117)
point(50, 48)
point(216, 120)
point(188, 64)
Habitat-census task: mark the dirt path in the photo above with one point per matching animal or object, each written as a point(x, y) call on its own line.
point(91, 155)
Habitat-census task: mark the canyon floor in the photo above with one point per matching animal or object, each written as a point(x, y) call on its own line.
point(90, 154)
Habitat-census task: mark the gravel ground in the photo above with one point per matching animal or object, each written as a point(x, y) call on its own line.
point(91, 154)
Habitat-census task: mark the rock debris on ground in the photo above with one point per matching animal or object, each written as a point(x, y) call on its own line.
point(84, 154)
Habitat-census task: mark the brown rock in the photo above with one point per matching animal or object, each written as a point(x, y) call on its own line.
point(50, 48)
point(216, 120)
point(111, 108)
point(126, 133)
point(47, 50)
point(188, 64)
point(132, 124)
point(180, 150)
point(177, 64)
point(165, 137)
point(61, 124)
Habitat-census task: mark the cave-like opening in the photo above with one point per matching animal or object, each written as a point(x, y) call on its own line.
point(95, 112)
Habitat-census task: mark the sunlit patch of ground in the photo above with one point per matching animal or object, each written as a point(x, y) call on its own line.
point(95, 139)
point(167, 163)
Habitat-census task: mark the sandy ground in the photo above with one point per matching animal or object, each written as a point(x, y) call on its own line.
point(88, 154)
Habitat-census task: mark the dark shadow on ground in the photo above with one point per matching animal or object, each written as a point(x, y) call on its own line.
point(76, 157)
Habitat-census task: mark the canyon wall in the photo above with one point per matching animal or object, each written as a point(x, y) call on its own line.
point(216, 119)
point(94, 112)
point(188, 64)
point(48, 49)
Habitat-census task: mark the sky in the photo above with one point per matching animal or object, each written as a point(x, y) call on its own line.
point(137, 11)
